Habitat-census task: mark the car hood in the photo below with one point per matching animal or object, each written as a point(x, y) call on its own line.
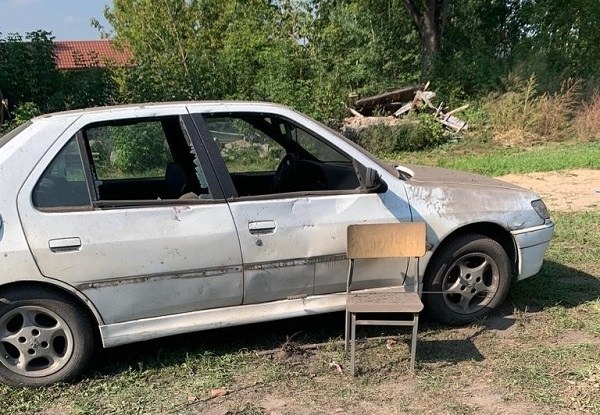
point(426, 175)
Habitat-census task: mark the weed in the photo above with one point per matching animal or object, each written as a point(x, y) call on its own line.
point(522, 116)
point(587, 122)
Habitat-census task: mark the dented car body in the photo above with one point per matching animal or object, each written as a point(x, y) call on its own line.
point(233, 213)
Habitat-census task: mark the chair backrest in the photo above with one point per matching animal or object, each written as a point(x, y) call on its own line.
point(386, 240)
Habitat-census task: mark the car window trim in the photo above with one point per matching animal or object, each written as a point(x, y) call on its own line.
point(147, 203)
point(85, 153)
point(295, 195)
point(193, 128)
point(209, 145)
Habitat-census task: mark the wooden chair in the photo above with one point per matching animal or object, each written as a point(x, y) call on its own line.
point(383, 241)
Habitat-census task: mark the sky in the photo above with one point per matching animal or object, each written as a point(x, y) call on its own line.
point(66, 19)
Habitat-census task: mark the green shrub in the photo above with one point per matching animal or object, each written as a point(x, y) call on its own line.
point(24, 112)
point(415, 133)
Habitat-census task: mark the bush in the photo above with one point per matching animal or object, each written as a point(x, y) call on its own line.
point(24, 112)
point(415, 133)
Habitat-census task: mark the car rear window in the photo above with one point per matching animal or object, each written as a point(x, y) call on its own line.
point(13, 133)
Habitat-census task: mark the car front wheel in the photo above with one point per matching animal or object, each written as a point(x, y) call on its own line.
point(45, 337)
point(466, 280)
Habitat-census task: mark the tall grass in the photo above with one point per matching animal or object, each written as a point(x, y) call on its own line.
point(522, 116)
point(587, 122)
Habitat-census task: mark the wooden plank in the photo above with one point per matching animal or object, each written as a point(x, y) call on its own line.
point(355, 113)
point(404, 109)
point(399, 95)
point(386, 240)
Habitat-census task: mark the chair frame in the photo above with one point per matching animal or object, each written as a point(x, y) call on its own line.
point(392, 240)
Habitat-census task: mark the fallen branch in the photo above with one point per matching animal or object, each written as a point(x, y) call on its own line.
point(355, 113)
point(192, 400)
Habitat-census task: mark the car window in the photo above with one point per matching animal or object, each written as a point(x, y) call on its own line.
point(317, 148)
point(144, 159)
point(129, 151)
point(63, 183)
point(243, 147)
point(265, 154)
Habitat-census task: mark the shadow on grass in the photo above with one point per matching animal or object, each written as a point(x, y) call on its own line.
point(448, 352)
point(218, 342)
point(556, 284)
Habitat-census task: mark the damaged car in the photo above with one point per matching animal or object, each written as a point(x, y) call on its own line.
point(122, 224)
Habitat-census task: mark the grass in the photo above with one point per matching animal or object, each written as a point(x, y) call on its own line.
point(547, 362)
point(493, 161)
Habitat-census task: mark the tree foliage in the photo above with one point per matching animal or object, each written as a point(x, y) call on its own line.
point(29, 78)
point(314, 54)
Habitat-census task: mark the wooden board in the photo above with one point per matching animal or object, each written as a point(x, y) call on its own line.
point(401, 95)
point(386, 240)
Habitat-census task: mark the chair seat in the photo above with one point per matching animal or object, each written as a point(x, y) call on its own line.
point(384, 302)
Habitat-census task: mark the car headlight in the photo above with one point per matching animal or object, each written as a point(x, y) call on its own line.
point(540, 207)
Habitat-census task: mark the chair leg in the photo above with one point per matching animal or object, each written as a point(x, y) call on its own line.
point(346, 332)
point(353, 342)
point(413, 346)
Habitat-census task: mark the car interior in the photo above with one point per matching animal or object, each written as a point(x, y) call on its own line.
point(298, 170)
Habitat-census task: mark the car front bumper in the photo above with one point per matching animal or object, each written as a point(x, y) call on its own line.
point(532, 244)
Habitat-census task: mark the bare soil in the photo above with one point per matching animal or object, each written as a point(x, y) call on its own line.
point(570, 190)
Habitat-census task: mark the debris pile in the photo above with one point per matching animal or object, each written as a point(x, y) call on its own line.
point(392, 106)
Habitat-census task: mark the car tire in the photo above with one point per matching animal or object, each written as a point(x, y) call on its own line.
point(466, 279)
point(45, 337)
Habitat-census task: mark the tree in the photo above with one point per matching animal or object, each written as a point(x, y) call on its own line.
point(560, 40)
point(429, 18)
point(27, 69)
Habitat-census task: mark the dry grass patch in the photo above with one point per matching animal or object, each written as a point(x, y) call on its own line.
point(523, 116)
point(587, 123)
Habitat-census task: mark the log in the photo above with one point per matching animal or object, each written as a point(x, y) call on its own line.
point(401, 95)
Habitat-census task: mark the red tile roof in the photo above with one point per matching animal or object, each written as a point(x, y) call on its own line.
point(85, 53)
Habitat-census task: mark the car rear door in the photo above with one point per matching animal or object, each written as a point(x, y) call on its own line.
point(138, 258)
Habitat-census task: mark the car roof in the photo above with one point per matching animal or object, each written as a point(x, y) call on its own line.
point(238, 105)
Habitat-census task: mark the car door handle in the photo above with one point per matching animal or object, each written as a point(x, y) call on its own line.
point(64, 244)
point(262, 227)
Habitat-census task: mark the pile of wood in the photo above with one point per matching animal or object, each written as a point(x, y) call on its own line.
point(400, 102)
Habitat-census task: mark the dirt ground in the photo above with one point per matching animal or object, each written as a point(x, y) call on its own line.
point(570, 190)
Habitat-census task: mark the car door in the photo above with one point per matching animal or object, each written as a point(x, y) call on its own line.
point(294, 240)
point(132, 247)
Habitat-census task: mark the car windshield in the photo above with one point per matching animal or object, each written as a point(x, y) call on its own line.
point(13, 133)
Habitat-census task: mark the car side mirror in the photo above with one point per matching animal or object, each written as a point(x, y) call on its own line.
point(369, 178)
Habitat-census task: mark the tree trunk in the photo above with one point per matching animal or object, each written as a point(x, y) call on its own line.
point(429, 17)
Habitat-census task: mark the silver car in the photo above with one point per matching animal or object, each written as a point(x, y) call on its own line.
point(128, 223)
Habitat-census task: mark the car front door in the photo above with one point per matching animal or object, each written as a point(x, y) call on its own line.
point(121, 208)
point(292, 196)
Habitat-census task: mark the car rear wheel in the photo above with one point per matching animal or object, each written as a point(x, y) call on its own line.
point(467, 279)
point(45, 337)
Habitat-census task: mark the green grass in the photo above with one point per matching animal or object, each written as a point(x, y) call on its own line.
point(550, 361)
point(493, 161)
